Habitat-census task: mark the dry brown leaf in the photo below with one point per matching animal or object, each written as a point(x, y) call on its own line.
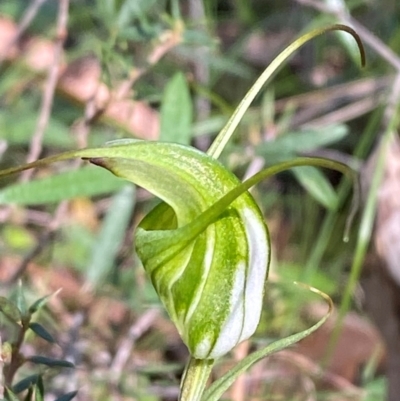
point(358, 342)
point(83, 212)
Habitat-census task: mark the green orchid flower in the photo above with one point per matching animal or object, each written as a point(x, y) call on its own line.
point(205, 247)
point(209, 272)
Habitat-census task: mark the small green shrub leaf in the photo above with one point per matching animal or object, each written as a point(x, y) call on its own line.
point(68, 396)
point(10, 310)
point(39, 389)
point(39, 330)
point(24, 384)
point(38, 304)
point(133, 10)
point(176, 111)
point(51, 362)
point(30, 393)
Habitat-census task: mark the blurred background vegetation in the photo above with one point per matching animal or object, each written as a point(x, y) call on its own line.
point(82, 72)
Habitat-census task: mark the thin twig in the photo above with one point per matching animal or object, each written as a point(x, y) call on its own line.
point(125, 349)
point(393, 99)
point(82, 127)
point(26, 20)
point(72, 352)
point(48, 95)
point(43, 241)
point(346, 113)
point(94, 110)
point(35, 251)
point(3, 147)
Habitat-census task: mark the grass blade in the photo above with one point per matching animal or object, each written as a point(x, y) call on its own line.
point(87, 181)
point(111, 235)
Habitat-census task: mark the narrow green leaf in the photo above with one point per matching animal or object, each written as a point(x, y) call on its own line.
point(39, 330)
point(24, 384)
point(10, 310)
point(107, 10)
point(317, 185)
point(176, 111)
point(367, 222)
point(339, 7)
point(133, 10)
point(51, 362)
point(87, 181)
point(301, 141)
point(111, 235)
point(10, 396)
point(125, 15)
point(18, 131)
point(30, 393)
point(67, 397)
point(39, 389)
point(38, 304)
point(367, 138)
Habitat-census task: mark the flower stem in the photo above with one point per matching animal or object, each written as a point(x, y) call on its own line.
point(195, 379)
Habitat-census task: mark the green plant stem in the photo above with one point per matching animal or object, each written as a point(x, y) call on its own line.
point(364, 232)
point(17, 360)
point(320, 247)
point(195, 378)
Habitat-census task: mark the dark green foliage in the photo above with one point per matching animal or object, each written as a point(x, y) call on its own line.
point(20, 316)
point(50, 362)
point(25, 383)
point(38, 329)
point(67, 397)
